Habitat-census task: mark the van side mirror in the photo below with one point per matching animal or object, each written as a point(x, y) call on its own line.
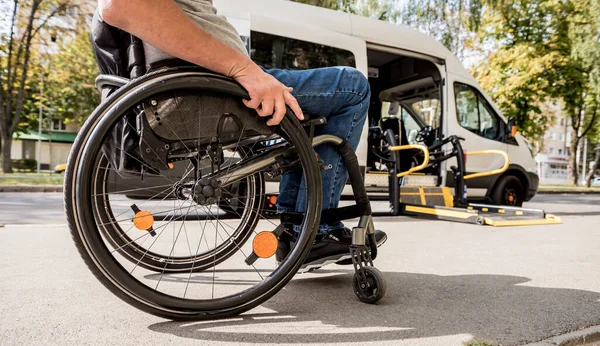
point(511, 127)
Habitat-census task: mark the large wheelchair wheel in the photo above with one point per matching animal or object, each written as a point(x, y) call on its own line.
point(174, 254)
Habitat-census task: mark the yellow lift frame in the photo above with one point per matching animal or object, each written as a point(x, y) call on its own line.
point(438, 202)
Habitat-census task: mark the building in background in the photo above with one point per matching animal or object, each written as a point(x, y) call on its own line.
point(55, 143)
point(553, 158)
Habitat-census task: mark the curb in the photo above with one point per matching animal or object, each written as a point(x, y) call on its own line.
point(581, 337)
point(31, 188)
point(567, 192)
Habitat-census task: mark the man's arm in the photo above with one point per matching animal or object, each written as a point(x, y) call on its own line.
point(164, 25)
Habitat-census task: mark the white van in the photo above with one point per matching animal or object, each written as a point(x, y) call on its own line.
point(413, 78)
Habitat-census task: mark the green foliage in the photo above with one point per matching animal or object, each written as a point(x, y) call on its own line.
point(378, 9)
point(68, 83)
point(446, 20)
point(544, 50)
point(452, 22)
point(519, 73)
point(25, 165)
point(476, 342)
point(33, 27)
point(580, 69)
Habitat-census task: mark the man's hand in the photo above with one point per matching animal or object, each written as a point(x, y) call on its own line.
point(268, 96)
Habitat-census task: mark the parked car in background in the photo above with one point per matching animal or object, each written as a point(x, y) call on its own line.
point(60, 168)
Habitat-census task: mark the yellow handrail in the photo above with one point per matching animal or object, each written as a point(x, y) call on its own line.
point(425, 151)
point(494, 172)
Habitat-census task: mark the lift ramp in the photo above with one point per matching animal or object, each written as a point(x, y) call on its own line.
point(482, 214)
point(439, 203)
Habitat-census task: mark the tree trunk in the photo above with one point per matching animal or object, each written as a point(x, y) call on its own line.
point(573, 169)
point(6, 147)
point(592, 172)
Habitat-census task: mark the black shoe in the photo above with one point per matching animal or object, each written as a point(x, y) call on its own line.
point(331, 248)
point(335, 244)
point(334, 248)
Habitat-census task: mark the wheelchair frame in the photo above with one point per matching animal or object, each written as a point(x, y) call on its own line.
point(368, 283)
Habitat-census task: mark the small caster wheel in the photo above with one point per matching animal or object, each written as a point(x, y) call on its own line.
point(374, 289)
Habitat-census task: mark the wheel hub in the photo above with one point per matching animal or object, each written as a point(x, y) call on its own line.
point(207, 191)
point(511, 197)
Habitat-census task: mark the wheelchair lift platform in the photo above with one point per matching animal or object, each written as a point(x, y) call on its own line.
point(482, 214)
point(439, 203)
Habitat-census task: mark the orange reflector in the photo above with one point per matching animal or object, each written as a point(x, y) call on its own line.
point(513, 131)
point(171, 165)
point(273, 199)
point(264, 244)
point(143, 220)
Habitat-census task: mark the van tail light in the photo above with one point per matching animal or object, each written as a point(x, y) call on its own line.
point(465, 157)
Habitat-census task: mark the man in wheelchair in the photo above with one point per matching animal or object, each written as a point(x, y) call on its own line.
point(192, 30)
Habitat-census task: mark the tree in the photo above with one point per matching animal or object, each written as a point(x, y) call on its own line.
point(379, 9)
point(544, 50)
point(69, 94)
point(519, 70)
point(27, 21)
point(579, 70)
point(586, 48)
point(452, 22)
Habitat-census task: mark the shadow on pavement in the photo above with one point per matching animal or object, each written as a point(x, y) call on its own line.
point(323, 309)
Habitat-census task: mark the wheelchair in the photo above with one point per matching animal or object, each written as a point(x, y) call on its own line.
point(197, 246)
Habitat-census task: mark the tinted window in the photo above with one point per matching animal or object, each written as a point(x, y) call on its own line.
point(271, 51)
point(474, 113)
point(411, 127)
point(429, 110)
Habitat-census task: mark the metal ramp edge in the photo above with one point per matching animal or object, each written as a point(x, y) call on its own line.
point(480, 214)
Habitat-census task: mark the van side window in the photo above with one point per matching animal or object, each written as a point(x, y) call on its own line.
point(411, 128)
point(474, 113)
point(272, 51)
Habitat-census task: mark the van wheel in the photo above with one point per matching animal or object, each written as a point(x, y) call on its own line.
point(509, 191)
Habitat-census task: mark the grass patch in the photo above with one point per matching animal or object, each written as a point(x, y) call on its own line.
point(476, 342)
point(31, 179)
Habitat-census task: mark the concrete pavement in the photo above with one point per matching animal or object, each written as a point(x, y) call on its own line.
point(447, 283)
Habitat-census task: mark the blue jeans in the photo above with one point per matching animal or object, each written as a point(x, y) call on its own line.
point(342, 95)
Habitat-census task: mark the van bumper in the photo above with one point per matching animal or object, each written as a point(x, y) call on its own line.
point(534, 182)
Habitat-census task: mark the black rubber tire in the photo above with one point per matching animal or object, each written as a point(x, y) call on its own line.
point(377, 285)
point(88, 239)
point(509, 191)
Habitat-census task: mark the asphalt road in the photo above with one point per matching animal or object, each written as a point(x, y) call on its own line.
point(47, 208)
point(447, 283)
